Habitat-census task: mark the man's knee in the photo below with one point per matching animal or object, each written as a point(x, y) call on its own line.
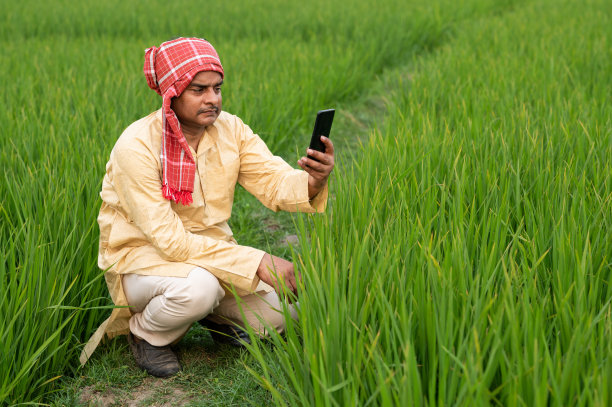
point(275, 320)
point(274, 315)
point(201, 293)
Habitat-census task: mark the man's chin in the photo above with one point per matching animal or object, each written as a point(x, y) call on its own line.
point(209, 120)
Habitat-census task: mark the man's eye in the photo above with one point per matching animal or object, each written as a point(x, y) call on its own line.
point(218, 89)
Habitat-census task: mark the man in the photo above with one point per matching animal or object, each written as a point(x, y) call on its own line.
point(165, 244)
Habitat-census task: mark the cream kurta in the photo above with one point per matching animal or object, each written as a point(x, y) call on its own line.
point(142, 232)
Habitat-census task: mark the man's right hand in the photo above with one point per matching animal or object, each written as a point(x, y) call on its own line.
point(272, 269)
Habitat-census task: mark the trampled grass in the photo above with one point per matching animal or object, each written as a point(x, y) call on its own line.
point(466, 256)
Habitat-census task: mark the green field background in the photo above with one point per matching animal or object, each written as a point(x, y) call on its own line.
point(465, 258)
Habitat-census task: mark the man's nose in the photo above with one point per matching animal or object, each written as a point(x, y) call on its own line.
point(210, 97)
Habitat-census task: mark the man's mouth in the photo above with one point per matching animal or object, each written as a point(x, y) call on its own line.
point(212, 110)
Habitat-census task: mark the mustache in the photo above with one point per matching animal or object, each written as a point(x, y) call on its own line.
point(213, 108)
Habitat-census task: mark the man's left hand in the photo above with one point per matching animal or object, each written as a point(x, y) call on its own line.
point(318, 169)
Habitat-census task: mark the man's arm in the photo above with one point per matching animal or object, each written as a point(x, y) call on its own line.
point(271, 180)
point(279, 186)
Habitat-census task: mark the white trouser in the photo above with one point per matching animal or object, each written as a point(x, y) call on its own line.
point(164, 308)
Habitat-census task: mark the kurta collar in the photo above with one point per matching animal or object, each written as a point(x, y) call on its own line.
point(209, 139)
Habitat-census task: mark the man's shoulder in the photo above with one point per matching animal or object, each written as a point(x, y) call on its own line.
point(228, 121)
point(143, 133)
point(231, 127)
point(143, 124)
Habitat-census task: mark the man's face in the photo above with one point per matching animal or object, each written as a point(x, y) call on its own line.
point(200, 104)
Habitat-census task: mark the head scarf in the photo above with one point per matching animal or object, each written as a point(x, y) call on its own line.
point(169, 70)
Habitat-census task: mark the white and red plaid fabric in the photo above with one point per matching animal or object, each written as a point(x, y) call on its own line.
point(169, 70)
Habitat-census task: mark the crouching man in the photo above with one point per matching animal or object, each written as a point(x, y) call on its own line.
point(167, 196)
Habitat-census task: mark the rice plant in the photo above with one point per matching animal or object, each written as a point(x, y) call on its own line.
point(467, 256)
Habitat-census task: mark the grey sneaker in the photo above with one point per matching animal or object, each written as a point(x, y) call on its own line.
point(159, 361)
point(229, 334)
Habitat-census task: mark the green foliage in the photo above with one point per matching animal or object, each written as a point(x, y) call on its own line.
point(72, 81)
point(465, 258)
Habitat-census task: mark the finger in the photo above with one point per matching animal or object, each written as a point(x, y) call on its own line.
point(290, 288)
point(310, 172)
point(290, 278)
point(314, 164)
point(319, 156)
point(293, 283)
point(329, 146)
point(301, 162)
point(314, 173)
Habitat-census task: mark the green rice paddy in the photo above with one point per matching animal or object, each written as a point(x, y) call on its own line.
point(466, 256)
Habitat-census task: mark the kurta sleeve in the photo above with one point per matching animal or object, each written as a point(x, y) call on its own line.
point(271, 180)
point(138, 186)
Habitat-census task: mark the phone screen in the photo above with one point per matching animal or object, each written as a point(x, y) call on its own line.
point(322, 127)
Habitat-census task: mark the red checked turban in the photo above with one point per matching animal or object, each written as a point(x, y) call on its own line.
point(169, 70)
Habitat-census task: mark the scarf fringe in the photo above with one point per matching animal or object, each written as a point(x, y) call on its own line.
point(184, 197)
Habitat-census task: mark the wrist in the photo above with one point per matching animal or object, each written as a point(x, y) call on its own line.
point(315, 187)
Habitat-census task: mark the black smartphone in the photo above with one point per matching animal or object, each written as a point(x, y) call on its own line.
point(322, 127)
